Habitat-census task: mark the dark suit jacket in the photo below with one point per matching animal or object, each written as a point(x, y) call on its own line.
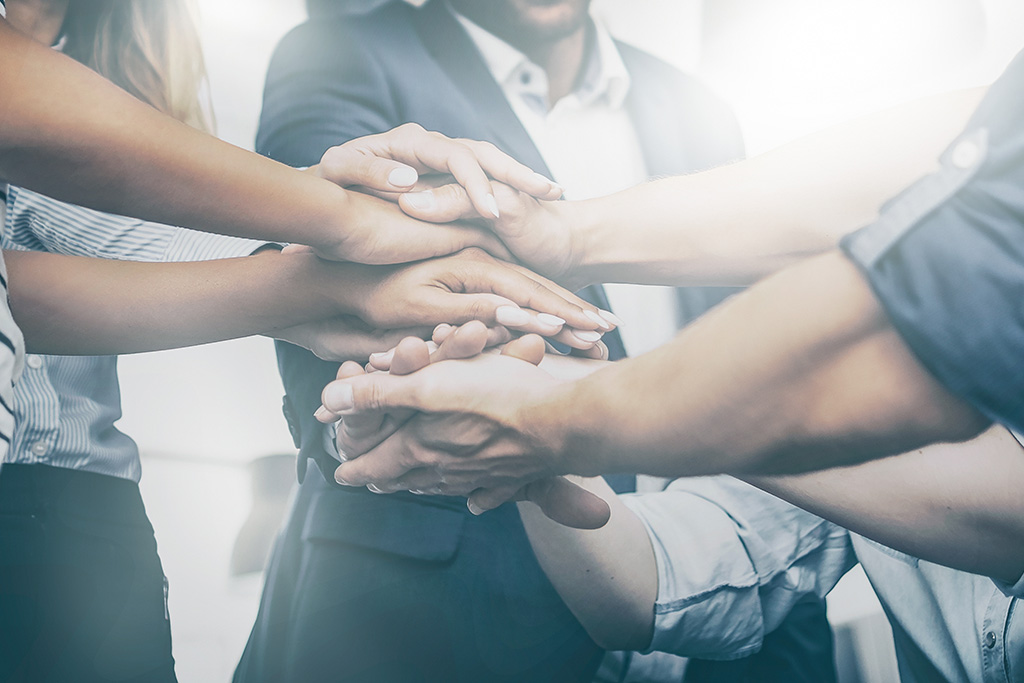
point(402, 587)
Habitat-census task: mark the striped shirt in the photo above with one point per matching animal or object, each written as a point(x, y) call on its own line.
point(11, 343)
point(66, 406)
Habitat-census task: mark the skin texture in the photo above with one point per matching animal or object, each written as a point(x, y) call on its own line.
point(113, 153)
point(608, 577)
point(844, 387)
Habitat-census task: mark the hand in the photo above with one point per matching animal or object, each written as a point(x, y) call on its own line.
point(391, 162)
point(559, 499)
point(470, 285)
point(538, 233)
point(346, 338)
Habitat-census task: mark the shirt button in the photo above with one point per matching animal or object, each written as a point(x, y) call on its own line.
point(39, 448)
point(990, 640)
point(966, 155)
point(33, 361)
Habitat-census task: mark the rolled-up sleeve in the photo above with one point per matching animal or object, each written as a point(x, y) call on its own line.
point(946, 259)
point(732, 560)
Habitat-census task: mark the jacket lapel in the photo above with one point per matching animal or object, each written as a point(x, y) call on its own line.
point(447, 41)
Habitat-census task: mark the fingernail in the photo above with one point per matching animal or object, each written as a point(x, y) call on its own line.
point(416, 492)
point(320, 413)
point(544, 179)
point(421, 201)
point(341, 456)
point(373, 489)
point(340, 396)
point(549, 319)
point(383, 357)
point(403, 176)
point(492, 205)
point(588, 336)
point(611, 317)
point(598, 320)
point(473, 508)
point(337, 478)
point(510, 315)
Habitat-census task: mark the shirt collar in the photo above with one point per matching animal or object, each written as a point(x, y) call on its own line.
point(605, 78)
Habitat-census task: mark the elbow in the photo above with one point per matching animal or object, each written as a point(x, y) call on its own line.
point(632, 629)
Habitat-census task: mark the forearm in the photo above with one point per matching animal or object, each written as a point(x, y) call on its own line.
point(70, 134)
point(607, 577)
point(954, 504)
point(73, 305)
point(737, 223)
point(802, 371)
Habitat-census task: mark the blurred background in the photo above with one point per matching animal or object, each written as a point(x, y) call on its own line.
point(208, 419)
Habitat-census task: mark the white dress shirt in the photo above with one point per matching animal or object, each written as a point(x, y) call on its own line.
point(590, 145)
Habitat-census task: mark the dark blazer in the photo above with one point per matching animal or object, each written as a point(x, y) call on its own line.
point(408, 588)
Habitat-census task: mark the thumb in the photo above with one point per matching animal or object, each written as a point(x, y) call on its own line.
point(371, 393)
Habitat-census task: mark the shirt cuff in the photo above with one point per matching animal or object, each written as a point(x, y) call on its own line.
point(193, 245)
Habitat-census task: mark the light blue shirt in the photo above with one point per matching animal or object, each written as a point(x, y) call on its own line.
point(65, 407)
point(733, 560)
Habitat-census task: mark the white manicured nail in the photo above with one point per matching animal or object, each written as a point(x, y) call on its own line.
point(549, 319)
point(549, 181)
point(510, 315)
point(587, 336)
point(611, 317)
point(598, 320)
point(492, 205)
point(382, 358)
point(403, 176)
point(421, 201)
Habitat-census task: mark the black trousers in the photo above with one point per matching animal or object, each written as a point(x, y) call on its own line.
point(82, 592)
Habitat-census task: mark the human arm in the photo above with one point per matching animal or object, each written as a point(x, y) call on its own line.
point(733, 224)
point(958, 505)
point(68, 304)
point(116, 154)
point(705, 568)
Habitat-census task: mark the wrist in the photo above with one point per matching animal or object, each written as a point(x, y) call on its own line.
point(588, 240)
point(568, 436)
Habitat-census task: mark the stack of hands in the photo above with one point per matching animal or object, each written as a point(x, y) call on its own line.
point(457, 295)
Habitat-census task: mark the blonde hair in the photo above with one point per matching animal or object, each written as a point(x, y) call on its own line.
point(150, 48)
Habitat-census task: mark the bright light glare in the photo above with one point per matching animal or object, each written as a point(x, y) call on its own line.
point(792, 66)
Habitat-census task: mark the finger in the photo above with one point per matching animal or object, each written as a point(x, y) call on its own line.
point(439, 205)
point(568, 504)
point(530, 348)
point(598, 351)
point(482, 500)
point(505, 169)
point(295, 249)
point(465, 341)
point(410, 355)
point(380, 466)
point(350, 165)
point(577, 339)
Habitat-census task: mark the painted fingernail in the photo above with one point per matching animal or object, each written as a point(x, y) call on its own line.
point(473, 508)
point(421, 201)
point(549, 319)
point(598, 320)
point(611, 317)
point(382, 358)
point(492, 205)
point(321, 413)
point(588, 336)
point(510, 315)
point(403, 176)
point(544, 179)
point(340, 396)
